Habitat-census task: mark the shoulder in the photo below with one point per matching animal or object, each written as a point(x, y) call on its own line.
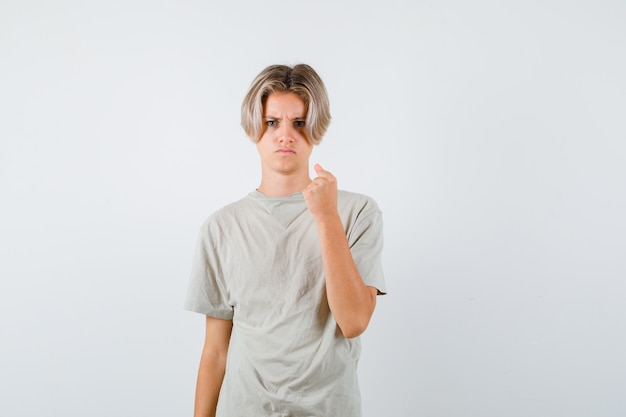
point(356, 208)
point(362, 219)
point(356, 201)
point(227, 214)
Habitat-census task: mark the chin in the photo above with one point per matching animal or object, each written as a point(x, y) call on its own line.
point(287, 169)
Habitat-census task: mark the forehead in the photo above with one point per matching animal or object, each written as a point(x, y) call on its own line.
point(284, 103)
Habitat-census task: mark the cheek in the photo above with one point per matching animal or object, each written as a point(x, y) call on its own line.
point(261, 145)
point(263, 139)
point(302, 136)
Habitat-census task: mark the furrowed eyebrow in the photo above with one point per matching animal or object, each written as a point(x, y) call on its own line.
point(269, 117)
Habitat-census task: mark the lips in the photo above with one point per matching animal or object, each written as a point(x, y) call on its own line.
point(285, 151)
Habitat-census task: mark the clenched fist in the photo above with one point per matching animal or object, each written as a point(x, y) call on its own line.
point(321, 195)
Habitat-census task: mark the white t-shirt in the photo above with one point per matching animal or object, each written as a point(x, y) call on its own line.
point(258, 263)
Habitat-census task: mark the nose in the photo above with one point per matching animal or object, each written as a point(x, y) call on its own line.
point(286, 132)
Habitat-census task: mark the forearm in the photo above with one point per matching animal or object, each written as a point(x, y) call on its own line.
point(350, 300)
point(210, 377)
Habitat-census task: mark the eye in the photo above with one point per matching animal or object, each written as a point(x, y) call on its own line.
point(299, 123)
point(271, 123)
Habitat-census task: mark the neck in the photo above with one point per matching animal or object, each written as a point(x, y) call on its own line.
point(277, 185)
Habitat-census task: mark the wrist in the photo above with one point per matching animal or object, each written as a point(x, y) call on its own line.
point(329, 221)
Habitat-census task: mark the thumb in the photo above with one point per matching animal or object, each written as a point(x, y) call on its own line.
point(318, 168)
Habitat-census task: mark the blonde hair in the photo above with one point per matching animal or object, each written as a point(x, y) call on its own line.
point(300, 79)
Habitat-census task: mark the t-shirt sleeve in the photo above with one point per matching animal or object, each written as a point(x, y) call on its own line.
point(207, 292)
point(365, 238)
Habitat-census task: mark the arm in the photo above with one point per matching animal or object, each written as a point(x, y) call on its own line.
point(212, 366)
point(350, 300)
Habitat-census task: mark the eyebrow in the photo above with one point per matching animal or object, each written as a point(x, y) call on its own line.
point(278, 118)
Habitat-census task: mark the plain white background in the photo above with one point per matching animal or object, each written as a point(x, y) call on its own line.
point(491, 133)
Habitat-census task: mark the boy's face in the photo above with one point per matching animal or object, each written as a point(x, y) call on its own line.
point(283, 146)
